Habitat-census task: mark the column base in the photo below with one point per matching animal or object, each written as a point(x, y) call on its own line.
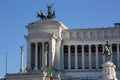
point(35, 68)
point(22, 71)
point(28, 69)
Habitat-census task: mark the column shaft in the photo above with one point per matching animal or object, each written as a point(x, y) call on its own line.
point(97, 57)
point(28, 56)
point(83, 56)
point(111, 59)
point(62, 65)
point(45, 53)
point(36, 56)
point(118, 56)
point(21, 60)
point(103, 53)
point(90, 57)
point(76, 57)
point(69, 58)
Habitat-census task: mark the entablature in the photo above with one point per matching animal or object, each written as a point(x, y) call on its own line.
point(91, 33)
point(89, 41)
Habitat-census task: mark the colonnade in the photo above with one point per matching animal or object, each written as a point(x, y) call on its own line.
point(88, 56)
point(38, 57)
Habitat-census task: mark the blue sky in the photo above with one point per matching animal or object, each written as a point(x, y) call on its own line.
point(16, 14)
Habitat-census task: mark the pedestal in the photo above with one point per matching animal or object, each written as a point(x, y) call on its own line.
point(108, 71)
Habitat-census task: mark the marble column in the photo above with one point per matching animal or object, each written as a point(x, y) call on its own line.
point(28, 56)
point(69, 57)
point(36, 56)
point(103, 53)
point(83, 57)
point(118, 56)
point(111, 59)
point(21, 59)
point(50, 53)
point(45, 53)
point(76, 57)
point(58, 55)
point(97, 56)
point(62, 58)
point(90, 67)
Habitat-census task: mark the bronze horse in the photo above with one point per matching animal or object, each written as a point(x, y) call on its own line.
point(41, 15)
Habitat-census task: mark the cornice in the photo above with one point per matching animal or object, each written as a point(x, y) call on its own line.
point(94, 29)
point(46, 24)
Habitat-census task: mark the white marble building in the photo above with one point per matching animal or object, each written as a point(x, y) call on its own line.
point(73, 53)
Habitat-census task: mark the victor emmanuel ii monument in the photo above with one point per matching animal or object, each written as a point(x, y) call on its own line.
point(56, 52)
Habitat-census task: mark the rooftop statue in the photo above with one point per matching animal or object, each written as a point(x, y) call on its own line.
point(51, 14)
point(107, 51)
point(41, 15)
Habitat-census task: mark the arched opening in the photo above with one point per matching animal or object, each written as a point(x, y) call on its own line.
point(100, 55)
